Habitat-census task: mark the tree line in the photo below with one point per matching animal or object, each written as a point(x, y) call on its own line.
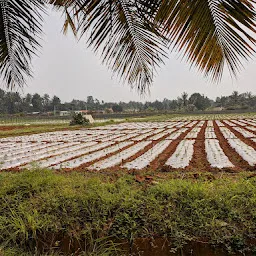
point(14, 102)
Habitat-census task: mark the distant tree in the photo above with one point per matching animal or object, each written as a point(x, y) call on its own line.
point(46, 102)
point(157, 105)
point(235, 97)
point(248, 95)
point(146, 105)
point(184, 97)
point(166, 104)
point(28, 98)
point(117, 108)
point(224, 101)
point(12, 101)
point(55, 104)
point(199, 101)
point(90, 100)
point(96, 104)
point(27, 103)
point(2, 101)
point(2, 93)
point(55, 101)
point(179, 103)
point(173, 104)
point(37, 103)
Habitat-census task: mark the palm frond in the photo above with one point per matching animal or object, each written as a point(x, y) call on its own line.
point(69, 23)
point(132, 35)
point(20, 25)
point(130, 44)
point(210, 33)
point(69, 9)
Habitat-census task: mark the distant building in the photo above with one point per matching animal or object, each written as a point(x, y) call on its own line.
point(65, 113)
point(131, 110)
point(82, 111)
point(90, 118)
point(217, 109)
point(108, 110)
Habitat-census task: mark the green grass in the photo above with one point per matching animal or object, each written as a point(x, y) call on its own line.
point(40, 128)
point(87, 207)
point(26, 130)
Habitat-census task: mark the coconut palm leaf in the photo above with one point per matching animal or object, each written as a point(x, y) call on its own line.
point(20, 24)
point(132, 35)
point(210, 33)
point(123, 31)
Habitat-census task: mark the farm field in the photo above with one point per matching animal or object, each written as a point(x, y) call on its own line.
point(32, 121)
point(189, 143)
point(44, 121)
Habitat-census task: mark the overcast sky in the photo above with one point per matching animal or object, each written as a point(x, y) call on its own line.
point(71, 71)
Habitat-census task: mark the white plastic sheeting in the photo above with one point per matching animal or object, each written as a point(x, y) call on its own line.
point(145, 159)
point(215, 155)
point(182, 155)
point(120, 156)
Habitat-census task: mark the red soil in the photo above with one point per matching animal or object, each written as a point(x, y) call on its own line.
point(234, 157)
point(199, 160)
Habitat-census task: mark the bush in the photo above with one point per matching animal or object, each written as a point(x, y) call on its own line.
point(78, 119)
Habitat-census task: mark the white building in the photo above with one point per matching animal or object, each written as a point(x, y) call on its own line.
point(65, 113)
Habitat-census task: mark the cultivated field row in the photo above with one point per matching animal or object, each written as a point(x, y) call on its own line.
point(171, 145)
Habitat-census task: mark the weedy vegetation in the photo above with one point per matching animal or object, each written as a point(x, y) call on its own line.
point(47, 213)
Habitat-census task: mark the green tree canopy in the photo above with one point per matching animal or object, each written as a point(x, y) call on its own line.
point(199, 101)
